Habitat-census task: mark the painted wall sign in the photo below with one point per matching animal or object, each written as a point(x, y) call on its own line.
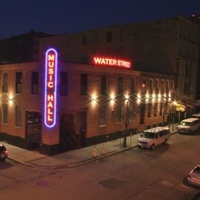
point(111, 62)
point(50, 85)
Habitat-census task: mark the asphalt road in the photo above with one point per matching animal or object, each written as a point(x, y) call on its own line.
point(130, 175)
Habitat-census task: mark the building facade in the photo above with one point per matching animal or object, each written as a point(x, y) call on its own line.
point(88, 105)
point(169, 46)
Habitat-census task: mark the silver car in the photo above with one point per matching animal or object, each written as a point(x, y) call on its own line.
point(194, 176)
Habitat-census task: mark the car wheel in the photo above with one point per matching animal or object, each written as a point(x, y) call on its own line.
point(153, 146)
point(2, 156)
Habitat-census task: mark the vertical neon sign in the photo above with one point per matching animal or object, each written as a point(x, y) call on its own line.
point(50, 88)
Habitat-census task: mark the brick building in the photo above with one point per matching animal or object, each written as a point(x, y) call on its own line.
point(169, 46)
point(88, 97)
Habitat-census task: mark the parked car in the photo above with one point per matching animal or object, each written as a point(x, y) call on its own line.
point(189, 125)
point(152, 137)
point(194, 176)
point(3, 152)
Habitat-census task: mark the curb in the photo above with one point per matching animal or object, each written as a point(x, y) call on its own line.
point(78, 163)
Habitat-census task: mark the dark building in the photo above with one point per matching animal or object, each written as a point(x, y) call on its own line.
point(21, 48)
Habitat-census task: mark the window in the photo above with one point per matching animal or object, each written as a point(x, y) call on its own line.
point(119, 113)
point(132, 86)
point(103, 84)
point(34, 82)
point(120, 85)
point(155, 109)
point(5, 83)
point(144, 84)
point(5, 113)
point(63, 83)
point(157, 86)
point(142, 113)
point(149, 110)
point(109, 37)
point(84, 83)
point(161, 109)
point(18, 116)
point(167, 87)
point(84, 40)
point(18, 82)
point(102, 116)
point(162, 87)
point(151, 86)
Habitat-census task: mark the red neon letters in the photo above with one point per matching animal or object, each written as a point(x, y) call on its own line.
point(111, 62)
point(50, 88)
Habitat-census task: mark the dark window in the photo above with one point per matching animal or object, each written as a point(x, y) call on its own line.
point(109, 37)
point(142, 113)
point(5, 113)
point(155, 109)
point(84, 41)
point(18, 82)
point(5, 83)
point(120, 85)
point(161, 108)
point(151, 86)
point(149, 110)
point(63, 83)
point(84, 84)
point(162, 87)
point(102, 115)
point(103, 84)
point(18, 116)
point(119, 113)
point(157, 87)
point(132, 85)
point(34, 82)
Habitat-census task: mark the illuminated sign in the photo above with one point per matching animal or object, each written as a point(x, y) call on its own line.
point(111, 62)
point(50, 88)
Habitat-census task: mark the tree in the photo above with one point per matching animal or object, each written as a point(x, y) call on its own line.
point(126, 110)
point(181, 103)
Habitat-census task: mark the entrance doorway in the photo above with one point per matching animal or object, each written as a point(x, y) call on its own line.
point(67, 132)
point(33, 129)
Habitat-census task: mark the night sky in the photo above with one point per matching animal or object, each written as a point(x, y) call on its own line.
point(68, 16)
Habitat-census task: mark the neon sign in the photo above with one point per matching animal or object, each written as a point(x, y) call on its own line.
point(111, 62)
point(50, 88)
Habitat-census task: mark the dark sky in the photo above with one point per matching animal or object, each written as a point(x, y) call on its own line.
point(66, 16)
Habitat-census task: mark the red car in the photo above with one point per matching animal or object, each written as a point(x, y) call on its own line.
point(3, 152)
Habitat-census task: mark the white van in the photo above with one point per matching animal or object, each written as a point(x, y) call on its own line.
point(153, 137)
point(189, 125)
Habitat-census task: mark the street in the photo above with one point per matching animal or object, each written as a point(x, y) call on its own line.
point(130, 175)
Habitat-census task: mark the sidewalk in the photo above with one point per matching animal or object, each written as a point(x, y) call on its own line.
point(71, 158)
